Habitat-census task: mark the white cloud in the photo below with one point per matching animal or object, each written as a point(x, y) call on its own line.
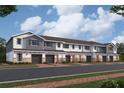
point(49, 11)
point(72, 23)
point(35, 6)
point(64, 26)
point(31, 24)
point(119, 38)
point(68, 9)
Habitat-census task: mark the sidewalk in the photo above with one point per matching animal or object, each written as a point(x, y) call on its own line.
point(73, 81)
point(75, 64)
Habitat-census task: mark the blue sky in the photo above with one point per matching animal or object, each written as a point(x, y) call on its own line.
point(80, 22)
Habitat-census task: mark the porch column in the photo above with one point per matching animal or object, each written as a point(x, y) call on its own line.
point(43, 58)
point(55, 58)
point(71, 58)
point(84, 58)
point(115, 58)
point(64, 57)
point(108, 59)
point(100, 58)
point(94, 57)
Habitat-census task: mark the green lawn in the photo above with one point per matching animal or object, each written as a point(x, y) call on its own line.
point(95, 84)
point(21, 83)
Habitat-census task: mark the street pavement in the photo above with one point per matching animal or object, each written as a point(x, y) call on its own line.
point(31, 73)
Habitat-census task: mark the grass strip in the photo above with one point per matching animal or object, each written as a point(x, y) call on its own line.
point(17, 66)
point(93, 84)
point(31, 82)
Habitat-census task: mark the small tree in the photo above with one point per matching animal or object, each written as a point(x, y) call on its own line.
point(118, 9)
point(2, 50)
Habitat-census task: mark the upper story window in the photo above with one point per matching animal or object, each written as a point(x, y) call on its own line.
point(79, 46)
point(95, 47)
point(49, 44)
point(73, 46)
point(110, 48)
point(58, 44)
point(34, 42)
point(87, 47)
point(65, 45)
point(19, 41)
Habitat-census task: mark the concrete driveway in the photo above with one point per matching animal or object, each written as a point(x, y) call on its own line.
point(30, 73)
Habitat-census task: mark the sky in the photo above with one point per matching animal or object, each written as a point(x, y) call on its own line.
point(88, 22)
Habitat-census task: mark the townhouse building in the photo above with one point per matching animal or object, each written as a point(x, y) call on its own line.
point(38, 49)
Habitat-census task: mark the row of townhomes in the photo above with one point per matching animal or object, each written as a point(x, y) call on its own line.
point(30, 48)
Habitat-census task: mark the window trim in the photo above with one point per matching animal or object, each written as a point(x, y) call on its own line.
point(95, 48)
point(19, 43)
point(79, 46)
point(66, 47)
point(58, 45)
point(73, 46)
point(37, 42)
point(86, 48)
point(45, 44)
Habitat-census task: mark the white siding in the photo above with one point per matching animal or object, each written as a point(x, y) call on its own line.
point(76, 48)
point(15, 45)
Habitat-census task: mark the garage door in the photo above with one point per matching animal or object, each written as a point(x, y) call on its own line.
point(36, 59)
point(50, 59)
point(104, 58)
point(111, 58)
point(88, 58)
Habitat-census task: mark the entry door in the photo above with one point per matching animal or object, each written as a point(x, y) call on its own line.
point(68, 58)
point(104, 58)
point(111, 58)
point(88, 58)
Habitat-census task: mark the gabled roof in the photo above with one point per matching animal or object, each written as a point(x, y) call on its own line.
point(66, 40)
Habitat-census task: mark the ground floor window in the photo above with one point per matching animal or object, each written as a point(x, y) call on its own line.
point(19, 57)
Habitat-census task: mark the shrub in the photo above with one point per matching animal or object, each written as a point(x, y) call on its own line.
point(121, 83)
point(109, 84)
point(65, 62)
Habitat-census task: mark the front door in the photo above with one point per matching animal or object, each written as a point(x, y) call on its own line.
point(104, 58)
point(88, 58)
point(111, 58)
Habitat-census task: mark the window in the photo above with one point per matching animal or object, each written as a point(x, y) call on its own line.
point(58, 44)
point(19, 57)
point(110, 48)
point(19, 41)
point(49, 44)
point(95, 47)
point(79, 46)
point(73, 46)
point(87, 47)
point(65, 45)
point(34, 42)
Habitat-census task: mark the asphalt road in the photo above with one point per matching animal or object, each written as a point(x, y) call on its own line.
point(30, 73)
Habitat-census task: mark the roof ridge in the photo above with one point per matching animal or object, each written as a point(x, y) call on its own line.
point(85, 41)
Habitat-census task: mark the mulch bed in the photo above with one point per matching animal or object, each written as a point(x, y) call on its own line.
point(72, 81)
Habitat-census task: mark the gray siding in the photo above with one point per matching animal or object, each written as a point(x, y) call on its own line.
point(53, 47)
point(27, 45)
point(9, 46)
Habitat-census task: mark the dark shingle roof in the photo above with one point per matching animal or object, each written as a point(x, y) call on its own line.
point(70, 40)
